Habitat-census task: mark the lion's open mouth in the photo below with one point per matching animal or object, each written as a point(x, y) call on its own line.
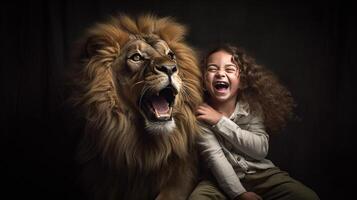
point(158, 107)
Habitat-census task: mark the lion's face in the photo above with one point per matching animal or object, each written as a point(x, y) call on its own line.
point(148, 77)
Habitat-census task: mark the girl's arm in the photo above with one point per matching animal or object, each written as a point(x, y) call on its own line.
point(254, 141)
point(220, 167)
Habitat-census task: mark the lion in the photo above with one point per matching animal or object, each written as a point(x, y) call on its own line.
point(137, 87)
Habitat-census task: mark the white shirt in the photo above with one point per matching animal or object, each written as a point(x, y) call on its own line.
point(234, 147)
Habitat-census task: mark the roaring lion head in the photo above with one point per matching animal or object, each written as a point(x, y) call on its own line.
point(151, 77)
point(138, 84)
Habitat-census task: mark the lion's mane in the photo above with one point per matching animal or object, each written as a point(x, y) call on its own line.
point(119, 159)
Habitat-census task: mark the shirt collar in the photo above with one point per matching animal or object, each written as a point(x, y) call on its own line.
point(242, 108)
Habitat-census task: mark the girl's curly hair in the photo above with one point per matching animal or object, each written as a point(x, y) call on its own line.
point(260, 88)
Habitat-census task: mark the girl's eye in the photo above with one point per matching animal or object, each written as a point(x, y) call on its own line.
point(211, 69)
point(136, 57)
point(231, 70)
point(171, 55)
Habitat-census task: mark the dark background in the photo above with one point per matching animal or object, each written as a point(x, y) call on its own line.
point(310, 46)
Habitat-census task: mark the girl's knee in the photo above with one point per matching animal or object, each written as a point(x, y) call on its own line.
point(300, 192)
point(206, 191)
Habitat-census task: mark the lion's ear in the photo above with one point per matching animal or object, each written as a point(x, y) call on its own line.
point(93, 45)
point(104, 37)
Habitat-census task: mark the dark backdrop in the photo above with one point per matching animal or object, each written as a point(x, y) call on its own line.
point(310, 46)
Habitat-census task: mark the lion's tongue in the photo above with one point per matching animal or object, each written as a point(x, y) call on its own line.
point(160, 105)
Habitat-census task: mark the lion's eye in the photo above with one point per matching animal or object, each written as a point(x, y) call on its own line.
point(171, 55)
point(136, 57)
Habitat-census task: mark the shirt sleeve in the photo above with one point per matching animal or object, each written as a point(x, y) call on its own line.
point(220, 167)
point(253, 142)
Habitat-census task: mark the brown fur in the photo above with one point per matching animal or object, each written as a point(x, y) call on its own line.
point(120, 158)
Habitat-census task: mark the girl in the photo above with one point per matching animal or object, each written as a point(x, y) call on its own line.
point(244, 101)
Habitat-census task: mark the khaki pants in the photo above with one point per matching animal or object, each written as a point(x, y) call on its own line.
point(269, 184)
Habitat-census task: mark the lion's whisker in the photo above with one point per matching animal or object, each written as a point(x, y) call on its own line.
point(135, 84)
point(142, 94)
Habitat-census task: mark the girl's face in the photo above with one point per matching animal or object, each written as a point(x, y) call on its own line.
point(221, 78)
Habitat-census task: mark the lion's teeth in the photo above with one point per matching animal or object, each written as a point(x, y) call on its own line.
point(163, 116)
point(156, 113)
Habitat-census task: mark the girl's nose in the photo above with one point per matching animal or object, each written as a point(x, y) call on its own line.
point(221, 73)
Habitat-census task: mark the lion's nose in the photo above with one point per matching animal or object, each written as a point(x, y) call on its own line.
point(168, 69)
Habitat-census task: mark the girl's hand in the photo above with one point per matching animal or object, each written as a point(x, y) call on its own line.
point(207, 114)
